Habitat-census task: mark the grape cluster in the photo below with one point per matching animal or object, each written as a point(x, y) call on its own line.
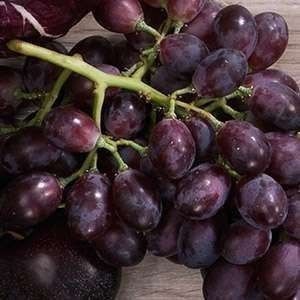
point(177, 141)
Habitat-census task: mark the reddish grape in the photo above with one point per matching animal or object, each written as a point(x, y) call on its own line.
point(162, 241)
point(10, 82)
point(277, 105)
point(285, 159)
point(244, 244)
point(262, 202)
point(271, 75)
point(136, 200)
point(184, 11)
point(71, 130)
point(29, 199)
point(204, 137)
point(174, 154)
point(126, 56)
point(89, 206)
point(121, 246)
point(95, 50)
point(39, 75)
point(235, 28)
point(220, 73)
point(273, 36)
point(202, 193)
point(120, 16)
point(279, 271)
point(228, 282)
point(182, 52)
point(244, 146)
point(199, 242)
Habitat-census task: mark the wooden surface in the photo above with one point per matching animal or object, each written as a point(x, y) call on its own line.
point(156, 278)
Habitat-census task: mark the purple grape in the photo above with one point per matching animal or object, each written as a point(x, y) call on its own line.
point(136, 200)
point(235, 28)
point(167, 189)
point(271, 75)
point(162, 241)
point(174, 154)
point(279, 271)
point(244, 146)
point(184, 11)
point(285, 159)
point(201, 26)
point(89, 206)
point(39, 75)
point(204, 137)
point(71, 130)
point(95, 50)
point(121, 246)
point(244, 244)
point(199, 242)
point(182, 52)
point(202, 193)
point(262, 202)
point(228, 282)
point(124, 115)
point(220, 73)
point(29, 200)
point(120, 16)
point(10, 82)
point(28, 150)
point(276, 105)
point(273, 36)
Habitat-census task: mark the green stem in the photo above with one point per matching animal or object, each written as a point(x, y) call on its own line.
point(232, 173)
point(137, 147)
point(8, 129)
point(178, 26)
point(29, 96)
point(133, 69)
point(143, 26)
point(98, 103)
point(147, 64)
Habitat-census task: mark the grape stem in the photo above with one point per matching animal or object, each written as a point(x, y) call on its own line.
point(19, 94)
point(232, 173)
point(99, 96)
point(140, 149)
point(144, 27)
point(178, 26)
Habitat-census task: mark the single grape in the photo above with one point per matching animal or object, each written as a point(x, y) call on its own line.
point(204, 137)
point(124, 115)
point(235, 28)
point(220, 73)
point(277, 105)
point(28, 150)
point(273, 36)
point(136, 200)
point(279, 271)
point(244, 146)
point(182, 52)
point(262, 202)
point(88, 206)
point(165, 80)
point(10, 82)
point(126, 56)
point(39, 75)
point(121, 246)
point(202, 193)
point(199, 242)
point(271, 75)
point(184, 11)
point(162, 241)
point(29, 200)
point(228, 282)
point(120, 16)
point(174, 154)
point(201, 26)
point(71, 130)
point(95, 50)
point(285, 159)
point(244, 244)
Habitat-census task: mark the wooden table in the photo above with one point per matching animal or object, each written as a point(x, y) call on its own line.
point(156, 278)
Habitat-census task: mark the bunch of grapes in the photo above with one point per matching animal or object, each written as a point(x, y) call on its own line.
point(178, 141)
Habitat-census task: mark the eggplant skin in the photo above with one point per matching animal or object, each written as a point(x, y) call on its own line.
point(51, 265)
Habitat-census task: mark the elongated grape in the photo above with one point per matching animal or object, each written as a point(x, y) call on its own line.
point(220, 73)
point(244, 146)
point(262, 202)
point(202, 193)
point(273, 36)
point(174, 154)
point(235, 28)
